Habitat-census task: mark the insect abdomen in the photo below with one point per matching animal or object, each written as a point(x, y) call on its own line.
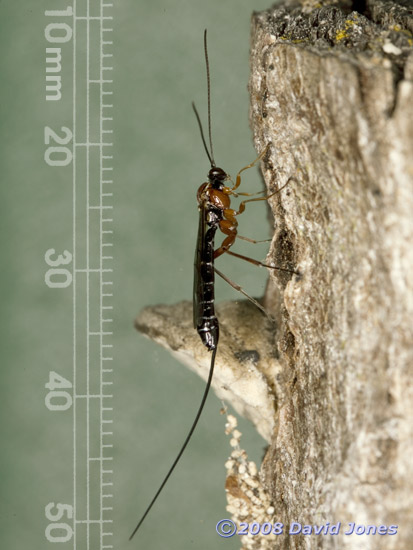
point(207, 325)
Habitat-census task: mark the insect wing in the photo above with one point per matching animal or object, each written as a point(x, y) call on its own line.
point(199, 256)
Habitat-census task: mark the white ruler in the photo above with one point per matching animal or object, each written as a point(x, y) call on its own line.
point(79, 37)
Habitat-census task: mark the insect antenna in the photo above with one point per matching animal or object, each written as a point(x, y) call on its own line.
point(188, 437)
point(202, 134)
point(209, 96)
point(210, 152)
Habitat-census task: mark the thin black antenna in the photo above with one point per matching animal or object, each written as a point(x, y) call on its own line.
point(202, 134)
point(210, 152)
point(209, 96)
point(188, 437)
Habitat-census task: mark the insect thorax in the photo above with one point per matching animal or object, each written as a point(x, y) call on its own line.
point(214, 215)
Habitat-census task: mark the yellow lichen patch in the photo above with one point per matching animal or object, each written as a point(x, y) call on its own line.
point(406, 32)
point(293, 40)
point(344, 33)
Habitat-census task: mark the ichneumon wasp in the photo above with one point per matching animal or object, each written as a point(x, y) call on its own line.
point(215, 212)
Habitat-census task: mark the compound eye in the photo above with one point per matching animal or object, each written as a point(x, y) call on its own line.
point(217, 174)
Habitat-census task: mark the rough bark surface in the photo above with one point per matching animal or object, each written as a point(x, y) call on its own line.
point(332, 90)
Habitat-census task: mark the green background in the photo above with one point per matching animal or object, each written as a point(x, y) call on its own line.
point(159, 163)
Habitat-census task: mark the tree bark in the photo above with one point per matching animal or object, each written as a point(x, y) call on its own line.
point(331, 90)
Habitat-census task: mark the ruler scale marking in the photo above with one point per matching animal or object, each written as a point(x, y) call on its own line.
point(90, 379)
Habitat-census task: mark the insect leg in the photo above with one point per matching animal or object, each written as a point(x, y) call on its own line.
point(253, 241)
point(228, 226)
point(249, 194)
point(242, 204)
point(240, 289)
point(253, 163)
point(256, 262)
